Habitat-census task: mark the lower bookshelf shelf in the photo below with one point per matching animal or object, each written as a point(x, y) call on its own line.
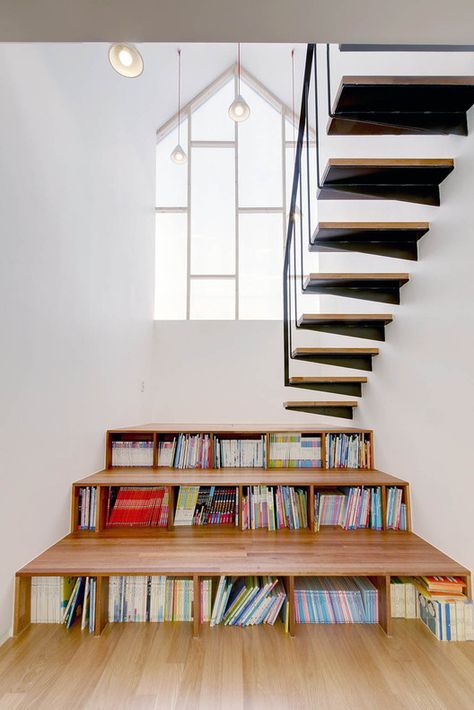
point(200, 552)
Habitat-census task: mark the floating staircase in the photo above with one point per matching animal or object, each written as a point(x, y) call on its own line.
point(402, 105)
point(394, 239)
point(366, 106)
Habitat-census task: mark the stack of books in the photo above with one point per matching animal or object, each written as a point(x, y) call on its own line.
point(132, 453)
point(87, 508)
point(205, 600)
point(444, 607)
point(156, 598)
point(404, 598)
point(248, 601)
point(335, 600)
point(289, 450)
point(207, 505)
point(274, 508)
point(130, 506)
point(348, 451)
point(240, 453)
point(351, 508)
point(56, 600)
point(186, 451)
point(396, 510)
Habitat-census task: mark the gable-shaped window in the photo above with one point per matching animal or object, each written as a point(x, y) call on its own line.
point(221, 216)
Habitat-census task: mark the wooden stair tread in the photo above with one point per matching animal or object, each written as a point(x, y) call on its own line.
point(409, 80)
point(198, 550)
point(356, 317)
point(392, 162)
point(358, 277)
point(368, 351)
point(376, 226)
point(328, 379)
point(330, 403)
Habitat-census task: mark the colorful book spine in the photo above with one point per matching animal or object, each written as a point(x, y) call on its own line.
point(290, 450)
point(348, 451)
point(132, 453)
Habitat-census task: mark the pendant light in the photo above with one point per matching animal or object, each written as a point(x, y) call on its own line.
point(296, 214)
point(126, 60)
point(239, 109)
point(178, 155)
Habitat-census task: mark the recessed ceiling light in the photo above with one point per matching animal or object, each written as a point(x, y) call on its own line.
point(126, 60)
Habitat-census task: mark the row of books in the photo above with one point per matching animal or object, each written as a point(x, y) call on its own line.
point(62, 600)
point(186, 451)
point(335, 600)
point(348, 451)
point(145, 598)
point(132, 453)
point(134, 506)
point(274, 508)
point(440, 602)
point(396, 510)
point(248, 601)
point(240, 453)
point(87, 508)
point(207, 505)
point(289, 450)
point(350, 508)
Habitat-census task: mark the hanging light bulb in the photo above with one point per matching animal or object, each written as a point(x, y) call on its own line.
point(178, 155)
point(126, 60)
point(239, 109)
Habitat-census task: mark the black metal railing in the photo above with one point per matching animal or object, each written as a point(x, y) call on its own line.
point(303, 194)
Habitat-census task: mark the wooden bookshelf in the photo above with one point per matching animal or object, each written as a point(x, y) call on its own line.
point(214, 550)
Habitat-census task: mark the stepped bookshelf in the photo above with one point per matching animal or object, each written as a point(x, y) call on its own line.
point(199, 552)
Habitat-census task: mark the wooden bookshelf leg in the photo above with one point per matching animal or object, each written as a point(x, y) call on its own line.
point(197, 607)
point(22, 613)
point(290, 591)
point(101, 605)
point(385, 613)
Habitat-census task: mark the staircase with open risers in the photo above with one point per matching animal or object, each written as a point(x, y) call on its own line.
point(363, 106)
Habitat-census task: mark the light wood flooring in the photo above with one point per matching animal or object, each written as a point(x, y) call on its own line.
point(160, 666)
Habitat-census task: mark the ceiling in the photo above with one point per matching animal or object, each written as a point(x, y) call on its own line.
point(366, 21)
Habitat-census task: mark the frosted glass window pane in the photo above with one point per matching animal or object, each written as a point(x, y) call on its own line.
point(171, 179)
point(260, 266)
point(211, 122)
point(170, 266)
point(212, 299)
point(260, 160)
point(212, 211)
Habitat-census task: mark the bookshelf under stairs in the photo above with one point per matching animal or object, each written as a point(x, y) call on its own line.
point(361, 106)
point(294, 507)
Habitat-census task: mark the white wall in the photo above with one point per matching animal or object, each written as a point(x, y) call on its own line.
point(76, 230)
point(419, 396)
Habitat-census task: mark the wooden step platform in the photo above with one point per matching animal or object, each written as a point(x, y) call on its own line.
point(205, 551)
point(406, 179)
point(338, 385)
point(402, 105)
point(333, 408)
point(356, 325)
point(356, 358)
point(398, 240)
point(383, 288)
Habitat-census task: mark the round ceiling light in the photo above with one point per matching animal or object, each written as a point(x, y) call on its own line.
point(126, 60)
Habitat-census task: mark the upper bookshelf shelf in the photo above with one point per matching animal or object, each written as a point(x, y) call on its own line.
point(233, 428)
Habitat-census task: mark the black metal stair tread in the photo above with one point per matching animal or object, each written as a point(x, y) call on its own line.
point(443, 94)
point(331, 403)
point(395, 239)
point(395, 171)
point(321, 280)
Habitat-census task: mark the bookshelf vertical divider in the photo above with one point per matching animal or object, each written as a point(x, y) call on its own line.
point(101, 604)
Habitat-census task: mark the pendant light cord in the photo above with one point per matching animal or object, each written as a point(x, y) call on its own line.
point(238, 67)
point(179, 97)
